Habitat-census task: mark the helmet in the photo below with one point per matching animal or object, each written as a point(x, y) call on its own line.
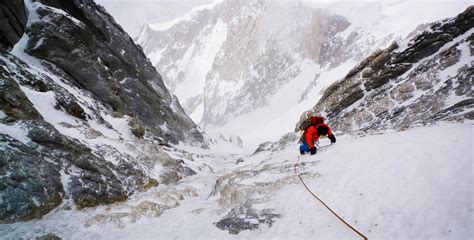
point(323, 129)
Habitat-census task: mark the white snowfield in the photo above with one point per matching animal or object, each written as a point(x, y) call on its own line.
point(414, 184)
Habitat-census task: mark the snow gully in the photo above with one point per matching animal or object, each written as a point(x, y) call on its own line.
point(321, 201)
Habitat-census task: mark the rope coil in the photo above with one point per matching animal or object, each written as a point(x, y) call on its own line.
point(334, 213)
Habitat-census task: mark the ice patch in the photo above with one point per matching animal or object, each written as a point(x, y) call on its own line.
point(2, 115)
point(65, 181)
point(15, 131)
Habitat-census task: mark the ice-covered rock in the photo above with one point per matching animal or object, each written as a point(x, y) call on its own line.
point(82, 111)
point(420, 80)
point(84, 41)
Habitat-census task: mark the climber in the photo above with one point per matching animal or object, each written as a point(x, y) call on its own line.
point(316, 128)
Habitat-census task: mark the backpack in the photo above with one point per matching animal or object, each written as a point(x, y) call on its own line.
point(305, 124)
point(315, 120)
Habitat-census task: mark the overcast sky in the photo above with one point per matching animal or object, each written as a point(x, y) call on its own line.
point(133, 14)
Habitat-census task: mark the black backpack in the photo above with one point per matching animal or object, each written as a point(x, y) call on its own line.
point(303, 127)
point(305, 124)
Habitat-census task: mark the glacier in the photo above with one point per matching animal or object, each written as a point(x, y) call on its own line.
point(392, 185)
point(96, 144)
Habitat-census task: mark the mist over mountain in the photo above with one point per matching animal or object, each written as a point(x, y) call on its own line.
point(132, 15)
point(247, 68)
point(190, 130)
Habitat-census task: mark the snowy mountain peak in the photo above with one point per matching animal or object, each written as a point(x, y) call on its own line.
point(229, 60)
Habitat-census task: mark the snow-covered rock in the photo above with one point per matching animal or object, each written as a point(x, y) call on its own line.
point(423, 79)
point(83, 112)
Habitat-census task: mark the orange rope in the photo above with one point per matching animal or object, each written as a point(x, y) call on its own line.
point(335, 214)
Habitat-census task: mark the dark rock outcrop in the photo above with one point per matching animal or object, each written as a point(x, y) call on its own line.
point(13, 101)
point(246, 218)
point(30, 175)
point(30, 186)
point(407, 84)
point(12, 22)
point(49, 236)
point(137, 129)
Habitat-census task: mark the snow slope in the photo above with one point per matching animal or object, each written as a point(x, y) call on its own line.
point(414, 184)
point(285, 107)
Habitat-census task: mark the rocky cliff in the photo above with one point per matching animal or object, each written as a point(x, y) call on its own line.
point(424, 79)
point(13, 18)
point(82, 111)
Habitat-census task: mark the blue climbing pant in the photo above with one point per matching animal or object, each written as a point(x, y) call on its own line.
point(304, 148)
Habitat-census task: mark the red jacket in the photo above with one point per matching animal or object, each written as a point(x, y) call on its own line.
point(312, 134)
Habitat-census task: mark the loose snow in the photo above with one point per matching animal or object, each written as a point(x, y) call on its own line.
point(414, 184)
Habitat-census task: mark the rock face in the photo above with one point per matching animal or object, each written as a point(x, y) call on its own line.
point(39, 165)
point(246, 218)
point(420, 80)
point(14, 102)
point(30, 176)
point(13, 21)
point(100, 57)
point(82, 111)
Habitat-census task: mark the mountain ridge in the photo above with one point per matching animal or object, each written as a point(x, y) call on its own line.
point(407, 81)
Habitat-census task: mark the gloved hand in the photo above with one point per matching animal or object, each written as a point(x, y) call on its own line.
point(312, 150)
point(332, 138)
